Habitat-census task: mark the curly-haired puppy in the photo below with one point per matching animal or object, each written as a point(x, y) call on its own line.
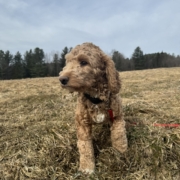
point(92, 73)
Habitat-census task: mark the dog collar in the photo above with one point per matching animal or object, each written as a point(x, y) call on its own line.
point(93, 99)
point(97, 101)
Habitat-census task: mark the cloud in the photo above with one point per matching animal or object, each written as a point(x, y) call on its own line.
point(111, 24)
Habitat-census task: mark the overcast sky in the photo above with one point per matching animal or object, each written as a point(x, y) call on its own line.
point(154, 25)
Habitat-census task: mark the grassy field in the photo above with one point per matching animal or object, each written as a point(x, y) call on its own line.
point(38, 137)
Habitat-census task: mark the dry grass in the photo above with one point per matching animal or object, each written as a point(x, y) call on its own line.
point(38, 138)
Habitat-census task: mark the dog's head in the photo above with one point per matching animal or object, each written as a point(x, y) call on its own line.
point(87, 66)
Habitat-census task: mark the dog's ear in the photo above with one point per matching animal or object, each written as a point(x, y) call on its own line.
point(112, 75)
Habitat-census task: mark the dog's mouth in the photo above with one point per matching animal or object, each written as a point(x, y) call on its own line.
point(67, 86)
point(70, 88)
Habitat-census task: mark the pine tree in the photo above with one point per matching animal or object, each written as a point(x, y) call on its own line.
point(18, 66)
point(5, 62)
point(28, 63)
point(34, 63)
point(62, 58)
point(119, 60)
point(1, 63)
point(138, 59)
point(56, 65)
point(38, 66)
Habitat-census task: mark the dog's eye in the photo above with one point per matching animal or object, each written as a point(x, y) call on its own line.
point(83, 63)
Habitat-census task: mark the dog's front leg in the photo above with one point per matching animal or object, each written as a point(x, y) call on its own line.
point(84, 144)
point(118, 135)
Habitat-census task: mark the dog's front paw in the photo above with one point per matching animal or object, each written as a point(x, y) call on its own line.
point(86, 171)
point(120, 147)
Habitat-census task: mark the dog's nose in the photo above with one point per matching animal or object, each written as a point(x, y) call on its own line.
point(64, 80)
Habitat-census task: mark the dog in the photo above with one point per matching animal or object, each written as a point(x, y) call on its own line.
point(91, 73)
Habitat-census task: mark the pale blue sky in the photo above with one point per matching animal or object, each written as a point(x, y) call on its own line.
point(154, 25)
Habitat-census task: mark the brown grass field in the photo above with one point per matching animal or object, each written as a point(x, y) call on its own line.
point(38, 136)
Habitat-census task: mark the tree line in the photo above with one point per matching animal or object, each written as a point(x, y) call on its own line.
point(35, 63)
point(139, 61)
